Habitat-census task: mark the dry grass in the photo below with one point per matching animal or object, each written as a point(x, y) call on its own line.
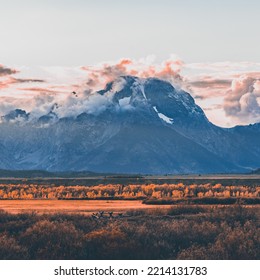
point(178, 232)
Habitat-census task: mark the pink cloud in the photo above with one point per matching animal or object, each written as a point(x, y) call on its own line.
point(242, 100)
point(5, 71)
point(206, 86)
point(100, 75)
point(7, 82)
point(39, 89)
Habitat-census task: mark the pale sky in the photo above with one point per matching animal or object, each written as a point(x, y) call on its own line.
point(79, 32)
point(217, 41)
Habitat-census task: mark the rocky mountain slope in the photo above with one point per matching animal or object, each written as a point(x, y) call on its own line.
point(147, 126)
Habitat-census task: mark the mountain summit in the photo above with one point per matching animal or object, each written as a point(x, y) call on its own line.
point(138, 126)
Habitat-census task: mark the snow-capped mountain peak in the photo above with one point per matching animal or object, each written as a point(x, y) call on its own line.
point(132, 126)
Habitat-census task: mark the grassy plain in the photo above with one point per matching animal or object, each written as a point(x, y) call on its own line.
point(121, 217)
point(179, 232)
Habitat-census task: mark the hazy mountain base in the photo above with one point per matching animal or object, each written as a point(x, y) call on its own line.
point(184, 232)
point(44, 174)
point(257, 171)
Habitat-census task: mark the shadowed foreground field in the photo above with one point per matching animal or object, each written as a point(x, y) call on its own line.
point(130, 218)
point(178, 232)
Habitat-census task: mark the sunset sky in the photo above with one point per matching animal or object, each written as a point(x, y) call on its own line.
point(209, 48)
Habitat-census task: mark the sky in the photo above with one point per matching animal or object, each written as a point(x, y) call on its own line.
point(211, 49)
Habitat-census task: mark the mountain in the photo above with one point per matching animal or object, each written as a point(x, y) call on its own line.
point(141, 126)
point(15, 115)
point(257, 171)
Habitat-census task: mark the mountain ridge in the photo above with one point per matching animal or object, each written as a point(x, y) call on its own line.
point(141, 126)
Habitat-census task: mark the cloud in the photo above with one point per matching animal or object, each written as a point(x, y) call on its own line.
point(5, 83)
point(7, 79)
point(213, 107)
point(205, 87)
point(230, 87)
point(28, 81)
point(39, 89)
point(98, 76)
point(5, 71)
point(6, 105)
point(223, 66)
point(216, 83)
point(242, 101)
point(41, 100)
point(89, 102)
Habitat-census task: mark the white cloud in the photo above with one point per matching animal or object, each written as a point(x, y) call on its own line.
point(242, 99)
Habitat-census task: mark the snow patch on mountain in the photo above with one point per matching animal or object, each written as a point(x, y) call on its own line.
point(163, 117)
point(124, 103)
point(138, 88)
point(142, 90)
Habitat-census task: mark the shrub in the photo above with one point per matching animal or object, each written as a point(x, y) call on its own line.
point(53, 240)
point(185, 209)
point(10, 249)
point(238, 243)
point(107, 243)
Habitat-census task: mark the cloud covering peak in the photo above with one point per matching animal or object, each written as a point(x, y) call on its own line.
point(101, 74)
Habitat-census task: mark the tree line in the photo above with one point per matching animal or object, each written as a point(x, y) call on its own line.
point(131, 191)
